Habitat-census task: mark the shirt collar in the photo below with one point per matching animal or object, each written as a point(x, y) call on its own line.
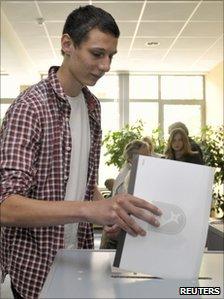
point(91, 100)
point(55, 84)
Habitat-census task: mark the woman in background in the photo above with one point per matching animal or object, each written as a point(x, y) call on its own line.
point(109, 235)
point(151, 147)
point(179, 148)
point(133, 148)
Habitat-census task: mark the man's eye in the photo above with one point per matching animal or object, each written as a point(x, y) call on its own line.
point(97, 54)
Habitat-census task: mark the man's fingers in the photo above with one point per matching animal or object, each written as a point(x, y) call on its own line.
point(112, 229)
point(143, 204)
point(144, 215)
point(138, 207)
point(129, 224)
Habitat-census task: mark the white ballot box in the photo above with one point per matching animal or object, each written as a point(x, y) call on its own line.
point(88, 274)
point(183, 191)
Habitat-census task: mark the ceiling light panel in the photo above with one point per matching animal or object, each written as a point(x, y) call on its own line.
point(180, 57)
point(209, 11)
point(194, 43)
point(56, 41)
point(148, 55)
point(215, 52)
point(123, 44)
point(38, 55)
point(168, 11)
point(58, 11)
point(127, 29)
point(159, 29)
point(34, 43)
point(18, 12)
point(206, 29)
point(30, 29)
point(55, 28)
point(122, 11)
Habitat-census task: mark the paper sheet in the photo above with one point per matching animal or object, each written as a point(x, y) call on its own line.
point(183, 191)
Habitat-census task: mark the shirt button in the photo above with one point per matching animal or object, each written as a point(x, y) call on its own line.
point(67, 119)
point(68, 148)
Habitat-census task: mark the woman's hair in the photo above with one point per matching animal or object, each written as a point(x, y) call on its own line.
point(132, 148)
point(177, 125)
point(148, 140)
point(85, 18)
point(169, 153)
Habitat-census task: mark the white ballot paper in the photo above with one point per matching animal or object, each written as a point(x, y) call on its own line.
point(183, 191)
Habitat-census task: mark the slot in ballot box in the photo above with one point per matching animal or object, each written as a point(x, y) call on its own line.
point(89, 274)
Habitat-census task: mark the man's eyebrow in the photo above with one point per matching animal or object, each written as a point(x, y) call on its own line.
point(103, 50)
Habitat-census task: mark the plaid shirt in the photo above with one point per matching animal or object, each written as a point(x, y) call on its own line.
point(35, 146)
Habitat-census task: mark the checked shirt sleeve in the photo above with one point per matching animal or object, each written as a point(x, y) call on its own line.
point(19, 143)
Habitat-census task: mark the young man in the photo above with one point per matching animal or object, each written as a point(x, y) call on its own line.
point(50, 149)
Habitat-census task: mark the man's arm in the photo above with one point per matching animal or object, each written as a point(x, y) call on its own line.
point(20, 211)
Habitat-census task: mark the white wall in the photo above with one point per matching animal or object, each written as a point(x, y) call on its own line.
point(214, 96)
point(14, 60)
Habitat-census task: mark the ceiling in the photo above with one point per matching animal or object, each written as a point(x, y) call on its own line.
point(189, 33)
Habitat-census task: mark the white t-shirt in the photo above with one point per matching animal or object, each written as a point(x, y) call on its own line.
point(76, 185)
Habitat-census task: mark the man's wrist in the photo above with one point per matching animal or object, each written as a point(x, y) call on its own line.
point(85, 211)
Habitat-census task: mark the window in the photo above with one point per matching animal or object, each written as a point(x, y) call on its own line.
point(4, 108)
point(109, 116)
point(9, 87)
point(190, 115)
point(106, 88)
point(164, 99)
point(107, 91)
point(158, 100)
point(182, 87)
point(182, 99)
point(147, 112)
point(143, 87)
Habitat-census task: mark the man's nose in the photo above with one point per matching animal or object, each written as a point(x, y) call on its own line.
point(104, 65)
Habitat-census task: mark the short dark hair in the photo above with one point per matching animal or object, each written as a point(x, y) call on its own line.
point(83, 19)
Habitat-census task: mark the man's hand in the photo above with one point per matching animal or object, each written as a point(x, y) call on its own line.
point(112, 231)
point(119, 210)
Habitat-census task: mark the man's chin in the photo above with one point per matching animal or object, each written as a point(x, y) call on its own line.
point(92, 82)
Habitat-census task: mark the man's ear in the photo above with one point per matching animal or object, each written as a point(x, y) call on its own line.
point(66, 44)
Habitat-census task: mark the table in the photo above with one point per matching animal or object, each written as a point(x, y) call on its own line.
point(87, 274)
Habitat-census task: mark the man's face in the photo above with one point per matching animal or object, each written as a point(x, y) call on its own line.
point(89, 61)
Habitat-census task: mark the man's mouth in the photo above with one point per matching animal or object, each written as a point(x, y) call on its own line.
point(96, 76)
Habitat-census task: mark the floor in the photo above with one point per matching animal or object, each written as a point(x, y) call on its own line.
point(6, 293)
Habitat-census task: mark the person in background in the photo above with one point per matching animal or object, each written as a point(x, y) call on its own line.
point(133, 148)
point(49, 158)
point(109, 183)
point(194, 145)
point(179, 148)
point(151, 147)
point(109, 235)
